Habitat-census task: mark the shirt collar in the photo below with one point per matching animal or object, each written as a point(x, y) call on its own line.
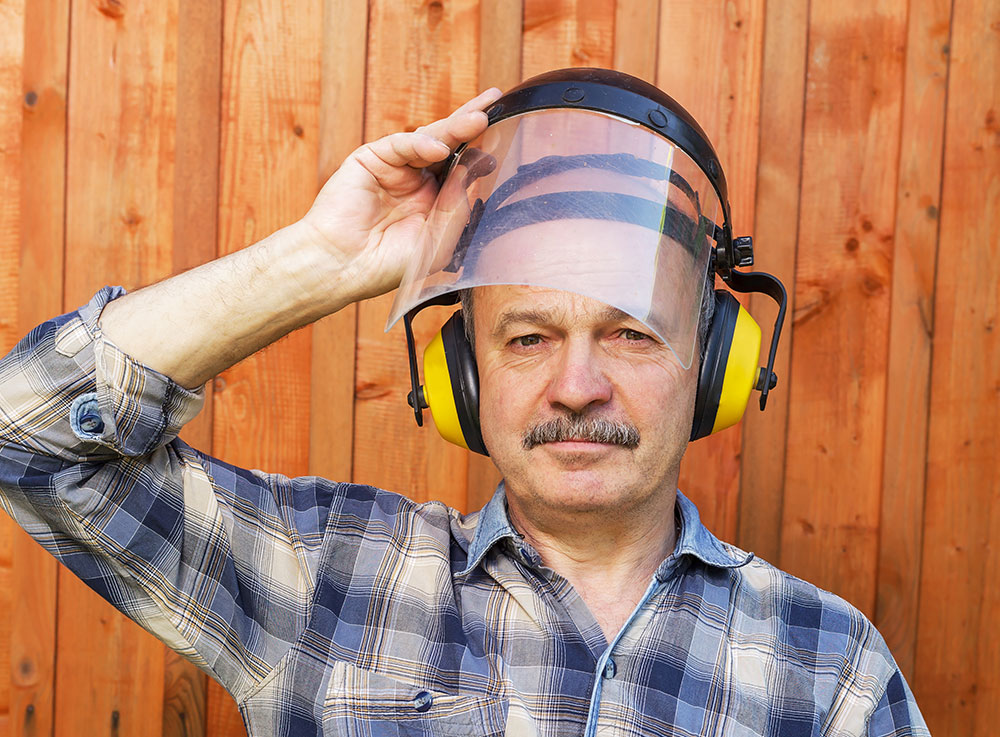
point(693, 539)
point(493, 526)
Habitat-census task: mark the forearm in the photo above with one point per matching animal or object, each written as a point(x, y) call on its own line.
point(195, 325)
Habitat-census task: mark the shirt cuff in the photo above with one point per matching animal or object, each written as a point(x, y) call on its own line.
point(134, 409)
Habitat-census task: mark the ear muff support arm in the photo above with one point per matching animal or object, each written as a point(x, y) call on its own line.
point(763, 283)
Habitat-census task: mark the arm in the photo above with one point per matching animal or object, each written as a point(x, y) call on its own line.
point(216, 561)
point(352, 244)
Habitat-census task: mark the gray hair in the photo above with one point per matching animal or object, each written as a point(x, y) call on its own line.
point(704, 320)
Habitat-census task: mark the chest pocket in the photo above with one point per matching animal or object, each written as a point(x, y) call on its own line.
point(362, 703)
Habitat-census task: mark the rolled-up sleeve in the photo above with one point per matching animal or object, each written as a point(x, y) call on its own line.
point(216, 561)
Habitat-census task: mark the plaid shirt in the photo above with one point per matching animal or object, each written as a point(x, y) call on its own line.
point(339, 609)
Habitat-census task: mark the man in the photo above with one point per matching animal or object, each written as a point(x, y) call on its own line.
point(586, 597)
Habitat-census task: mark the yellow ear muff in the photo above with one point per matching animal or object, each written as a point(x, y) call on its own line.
point(451, 386)
point(439, 393)
point(728, 369)
point(740, 373)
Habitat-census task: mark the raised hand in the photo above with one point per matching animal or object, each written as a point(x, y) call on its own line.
point(369, 212)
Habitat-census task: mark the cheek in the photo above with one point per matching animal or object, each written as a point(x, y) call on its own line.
point(664, 399)
point(506, 405)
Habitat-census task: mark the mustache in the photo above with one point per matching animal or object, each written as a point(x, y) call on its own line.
point(581, 427)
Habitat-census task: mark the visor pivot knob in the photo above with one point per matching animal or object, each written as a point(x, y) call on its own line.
point(422, 402)
point(743, 249)
point(761, 378)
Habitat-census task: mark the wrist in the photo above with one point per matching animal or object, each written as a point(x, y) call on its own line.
point(322, 282)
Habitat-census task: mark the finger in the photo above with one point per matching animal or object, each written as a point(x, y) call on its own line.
point(465, 123)
point(386, 155)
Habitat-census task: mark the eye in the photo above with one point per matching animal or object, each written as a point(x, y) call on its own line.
point(527, 340)
point(634, 335)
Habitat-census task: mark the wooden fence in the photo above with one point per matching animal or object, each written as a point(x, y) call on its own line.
point(861, 139)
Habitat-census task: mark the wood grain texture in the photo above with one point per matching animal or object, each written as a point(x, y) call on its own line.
point(567, 33)
point(762, 464)
point(184, 696)
point(43, 149)
point(41, 97)
point(958, 647)
point(716, 77)
point(12, 715)
point(270, 127)
point(269, 149)
point(837, 396)
point(422, 63)
point(342, 105)
point(196, 209)
point(119, 226)
point(918, 205)
point(500, 25)
point(637, 26)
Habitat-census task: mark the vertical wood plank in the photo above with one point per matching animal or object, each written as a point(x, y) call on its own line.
point(762, 466)
point(196, 208)
point(12, 27)
point(839, 354)
point(637, 24)
point(342, 105)
point(38, 291)
point(910, 334)
point(269, 148)
point(119, 213)
point(422, 63)
point(499, 66)
point(716, 77)
point(270, 126)
point(567, 33)
point(958, 648)
point(500, 43)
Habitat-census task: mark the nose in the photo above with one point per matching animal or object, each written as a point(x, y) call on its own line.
point(580, 381)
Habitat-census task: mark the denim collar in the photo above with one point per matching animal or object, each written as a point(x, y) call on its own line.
point(694, 538)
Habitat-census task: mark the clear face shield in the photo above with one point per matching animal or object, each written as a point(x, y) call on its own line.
point(579, 201)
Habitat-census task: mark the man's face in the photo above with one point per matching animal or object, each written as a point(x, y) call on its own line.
point(546, 355)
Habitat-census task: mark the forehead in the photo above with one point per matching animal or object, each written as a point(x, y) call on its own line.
point(502, 306)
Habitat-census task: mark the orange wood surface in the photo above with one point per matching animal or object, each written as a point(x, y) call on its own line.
point(716, 77)
point(958, 646)
point(12, 716)
point(918, 203)
point(422, 63)
point(119, 212)
point(38, 104)
point(860, 143)
point(762, 465)
point(836, 396)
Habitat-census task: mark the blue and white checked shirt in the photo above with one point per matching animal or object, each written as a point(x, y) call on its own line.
point(339, 609)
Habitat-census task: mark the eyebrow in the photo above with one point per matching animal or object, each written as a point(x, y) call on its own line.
point(549, 317)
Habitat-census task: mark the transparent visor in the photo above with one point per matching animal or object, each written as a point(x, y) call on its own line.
point(578, 201)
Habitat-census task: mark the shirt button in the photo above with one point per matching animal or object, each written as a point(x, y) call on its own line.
point(422, 701)
point(91, 423)
point(610, 669)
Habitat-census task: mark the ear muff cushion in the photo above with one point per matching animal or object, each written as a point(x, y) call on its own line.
point(741, 371)
point(458, 397)
point(729, 368)
point(439, 394)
